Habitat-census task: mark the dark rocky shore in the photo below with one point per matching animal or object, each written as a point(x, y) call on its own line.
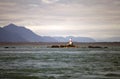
point(63, 44)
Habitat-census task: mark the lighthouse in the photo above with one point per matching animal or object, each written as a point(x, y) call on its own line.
point(69, 45)
point(70, 42)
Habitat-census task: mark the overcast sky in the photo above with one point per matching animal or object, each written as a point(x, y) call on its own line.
point(98, 19)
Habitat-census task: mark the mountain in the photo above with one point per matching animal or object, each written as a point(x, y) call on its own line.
point(6, 36)
point(75, 39)
point(81, 39)
point(14, 33)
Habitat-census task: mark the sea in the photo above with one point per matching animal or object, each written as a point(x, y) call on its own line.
point(36, 62)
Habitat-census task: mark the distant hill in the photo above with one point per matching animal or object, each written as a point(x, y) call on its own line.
point(14, 33)
point(7, 36)
point(113, 39)
point(75, 39)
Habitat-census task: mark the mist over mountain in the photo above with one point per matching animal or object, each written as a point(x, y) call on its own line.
point(14, 33)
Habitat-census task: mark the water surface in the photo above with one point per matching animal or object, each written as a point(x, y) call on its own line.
point(64, 63)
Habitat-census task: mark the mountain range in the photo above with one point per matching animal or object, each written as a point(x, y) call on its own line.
point(14, 33)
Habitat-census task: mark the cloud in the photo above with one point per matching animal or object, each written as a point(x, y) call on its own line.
point(79, 17)
point(49, 1)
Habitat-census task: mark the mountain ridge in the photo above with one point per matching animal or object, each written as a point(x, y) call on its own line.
point(14, 33)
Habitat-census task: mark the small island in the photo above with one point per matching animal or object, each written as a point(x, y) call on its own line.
point(69, 45)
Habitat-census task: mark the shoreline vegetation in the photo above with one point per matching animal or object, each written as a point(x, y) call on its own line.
point(64, 44)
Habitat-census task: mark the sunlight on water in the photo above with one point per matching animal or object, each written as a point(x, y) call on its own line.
point(48, 63)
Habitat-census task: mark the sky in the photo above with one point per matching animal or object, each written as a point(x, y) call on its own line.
point(98, 19)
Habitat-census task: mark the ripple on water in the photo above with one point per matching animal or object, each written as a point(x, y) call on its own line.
point(60, 64)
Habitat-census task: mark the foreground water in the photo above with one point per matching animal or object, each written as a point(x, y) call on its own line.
point(63, 63)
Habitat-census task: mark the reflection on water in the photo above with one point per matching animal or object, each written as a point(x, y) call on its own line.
point(47, 63)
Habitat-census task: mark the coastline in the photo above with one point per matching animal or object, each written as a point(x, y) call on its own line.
point(79, 44)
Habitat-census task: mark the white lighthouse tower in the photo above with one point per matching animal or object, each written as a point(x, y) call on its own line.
point(70, 41)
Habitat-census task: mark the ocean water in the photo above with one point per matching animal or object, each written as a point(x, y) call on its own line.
point(59, 63)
